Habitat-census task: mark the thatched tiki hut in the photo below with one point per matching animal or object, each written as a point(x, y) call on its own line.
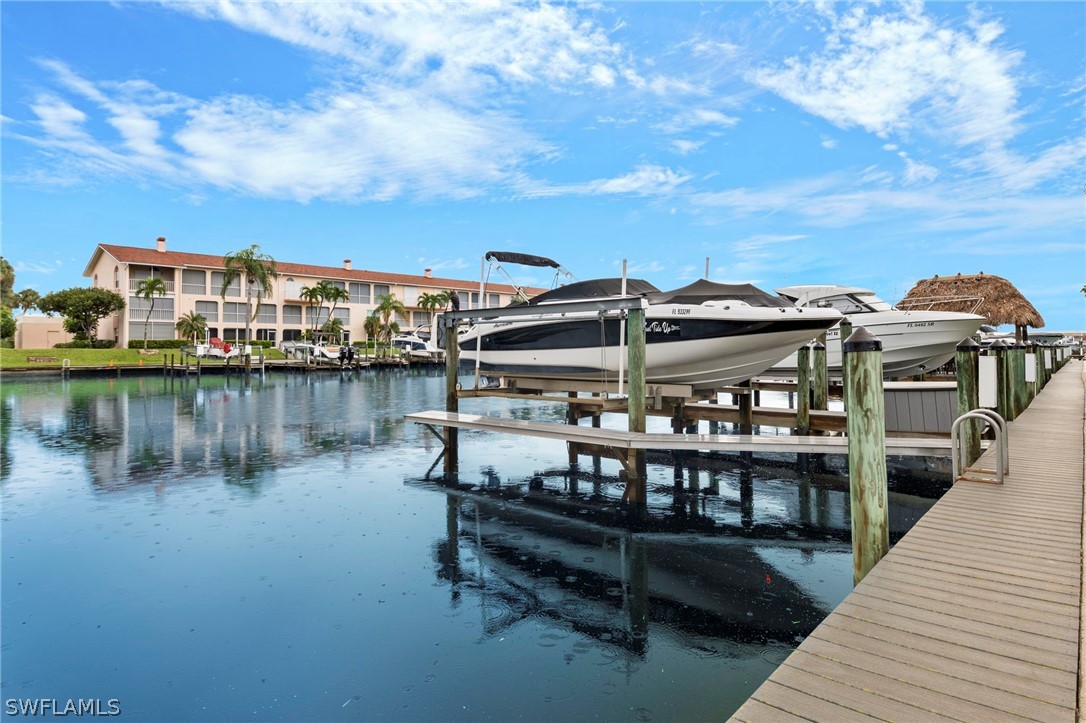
point(990, 296)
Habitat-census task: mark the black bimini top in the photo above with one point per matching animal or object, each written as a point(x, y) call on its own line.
point(509, 257)
point(694, 294)
point(701, 291)
point(595, 289)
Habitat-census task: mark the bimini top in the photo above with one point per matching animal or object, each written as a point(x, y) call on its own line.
point(595, 289)
point(510, 257)
point(702, 291)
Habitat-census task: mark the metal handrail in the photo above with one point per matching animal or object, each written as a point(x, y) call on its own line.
point(957, 445)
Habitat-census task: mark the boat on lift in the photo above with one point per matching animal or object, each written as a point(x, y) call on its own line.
point(705, 334)
point(915, 339)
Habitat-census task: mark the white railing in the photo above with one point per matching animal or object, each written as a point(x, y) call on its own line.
point(133, 283)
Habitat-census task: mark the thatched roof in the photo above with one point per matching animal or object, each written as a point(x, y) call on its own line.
point(999, 301)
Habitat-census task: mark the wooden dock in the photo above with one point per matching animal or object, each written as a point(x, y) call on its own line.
point(975, 614)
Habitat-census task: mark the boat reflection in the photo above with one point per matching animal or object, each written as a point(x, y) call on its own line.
point(721, 595)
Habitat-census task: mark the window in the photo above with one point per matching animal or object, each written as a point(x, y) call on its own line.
point(311, 313)
point(465, 299)
point(266, 314)
point(233, 335)
point(380, 290)
point(343, 314)
point(422, 318)
point(265, 335)
point(292, 314)
point(401, 320)
point(359, 293)
point(495, 301)
point(232, 312)
point(292, 334)
point(339, 284)
point(194, 281)
point(293, 289)
point(96, 281)
point(139, 306)
point(208, 309)
point(234, 289)
point(410, 296)
point(116, 277)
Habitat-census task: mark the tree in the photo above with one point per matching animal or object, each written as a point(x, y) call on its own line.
point(430, 303)
point(82, 308)
point(335, 295)
point(258, 269)
point(192, 326)
point(314, 296)
point(26, 300)
point(387, 306)
point(333, 328)
point(149, 289)
point(7, 284)
point(7, 323)
point(371, 327)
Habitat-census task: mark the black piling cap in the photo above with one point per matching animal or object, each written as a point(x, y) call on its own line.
point(1000, 344)
point(967, 344)
point(818, 346)
point(862, 340)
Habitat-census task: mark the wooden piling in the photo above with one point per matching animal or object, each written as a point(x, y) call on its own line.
point(452, 401)
point(846, 331)
point(966, 356)
point(635, 340)
point(746, 409)
point(803, 390)
point(862, 365)
point(1020, 399)
point(1004, 407)
point(820, 397)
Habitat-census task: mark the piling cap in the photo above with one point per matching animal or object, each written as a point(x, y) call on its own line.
point(818, 346)
point(862, 340)
point(1000, 344)
point(967, 344)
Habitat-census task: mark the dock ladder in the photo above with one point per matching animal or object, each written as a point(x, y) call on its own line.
point(958, 452)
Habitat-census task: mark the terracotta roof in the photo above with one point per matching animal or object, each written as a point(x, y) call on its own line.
point(182, 259)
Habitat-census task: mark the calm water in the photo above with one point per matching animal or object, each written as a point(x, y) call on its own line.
point(279, 550)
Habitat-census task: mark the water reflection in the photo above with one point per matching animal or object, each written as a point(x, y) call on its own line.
point(278, 549)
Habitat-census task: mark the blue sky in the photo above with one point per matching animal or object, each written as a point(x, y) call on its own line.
point(866, 144)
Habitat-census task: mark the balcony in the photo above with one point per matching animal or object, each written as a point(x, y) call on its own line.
point(133, 283)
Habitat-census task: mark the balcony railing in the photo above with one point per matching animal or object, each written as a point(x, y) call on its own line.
point(133, 283)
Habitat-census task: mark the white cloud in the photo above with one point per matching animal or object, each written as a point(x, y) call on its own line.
point(916, 172)
point(898, 71)
point(684, 147)
point(697, 118)
point(829, 143)
point(645, 180)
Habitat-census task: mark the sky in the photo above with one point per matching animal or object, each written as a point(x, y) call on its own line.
point(870, 144)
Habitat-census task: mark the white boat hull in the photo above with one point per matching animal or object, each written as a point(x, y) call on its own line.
point(704, 346)
point(913, 342)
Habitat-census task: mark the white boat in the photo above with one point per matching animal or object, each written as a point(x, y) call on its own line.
point(419, 344)
point(704, 334)
point(213, 348)
point(321, 351)
point(914, 340)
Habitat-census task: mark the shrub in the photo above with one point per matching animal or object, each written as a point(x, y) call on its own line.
point(84, 344)
point(158, 343)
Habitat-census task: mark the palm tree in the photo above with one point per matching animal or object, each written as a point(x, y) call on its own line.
point(334, 328)
point(314, 296)
point(432, 302)
point(335, 295)
point(387, 306)
point(149, 289)
point(371, 327)
point(259, 270)
point(192, 326)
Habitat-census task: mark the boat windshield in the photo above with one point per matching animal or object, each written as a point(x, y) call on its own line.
point(854, 303)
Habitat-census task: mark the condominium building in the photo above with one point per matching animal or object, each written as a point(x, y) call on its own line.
point(194, 284)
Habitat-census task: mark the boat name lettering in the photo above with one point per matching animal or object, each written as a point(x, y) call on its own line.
point(915, 324)
point(661, 327)
point(680, 312)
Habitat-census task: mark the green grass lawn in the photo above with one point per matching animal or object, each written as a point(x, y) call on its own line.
point(46, 358)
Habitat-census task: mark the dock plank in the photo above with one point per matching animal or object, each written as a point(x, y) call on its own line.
point(976, 613)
